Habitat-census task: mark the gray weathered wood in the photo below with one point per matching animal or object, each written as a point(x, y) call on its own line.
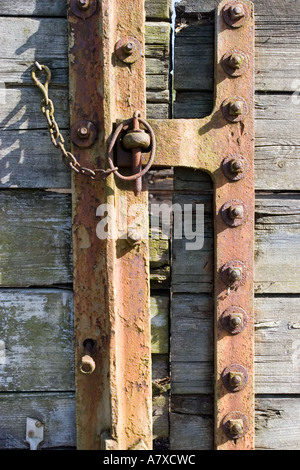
point(158, 9)
point(277, 423)
point(27, 157)
point(277, 46)
point(36, 340)
point(32, 39)
point(277, 344)
point(35, 238)
point(35, 245)
point(277, 239)
point(37, 333)
point(55, 410)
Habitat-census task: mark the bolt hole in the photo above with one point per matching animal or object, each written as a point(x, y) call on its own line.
point(89, 343)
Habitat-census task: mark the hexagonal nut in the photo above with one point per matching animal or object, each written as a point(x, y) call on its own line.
point(234, 320)
point(235, 425)
point(235, 167)
point(236, 14)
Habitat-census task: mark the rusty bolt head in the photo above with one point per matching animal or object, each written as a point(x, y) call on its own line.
point(237, 12)
point(83, 4)
point(236, 108)
point(236, 212)
point(235, 274)
point(235, 320)
point(237, 166)
point(83, 132)
point(30, 433)
point(129, 48)
point(236, 61)
point(235, 379)
point(38, 424)
point(235, 424)
point(236, 427)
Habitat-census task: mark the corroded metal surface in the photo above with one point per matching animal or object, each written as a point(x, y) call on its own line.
point(222, 145)
point(111, 276)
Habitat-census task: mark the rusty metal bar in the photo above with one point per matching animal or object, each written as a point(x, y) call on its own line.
point(111, 276)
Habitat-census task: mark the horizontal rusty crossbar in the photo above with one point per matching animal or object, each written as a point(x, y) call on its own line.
point(111, 277)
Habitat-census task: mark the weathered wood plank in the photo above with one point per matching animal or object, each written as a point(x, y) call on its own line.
point(35, 238)
point(29, 40)
point(160, 399)
point(159, 307)
point(277, 423)
point(35, 245)
point(37, 334)
point(277, 46)
point(155, 9)
point(191, 423)
point(27, 156)
point(276, 242)
point(35, 241)
point(36, 340)
point(277, 344)
point(55, 410)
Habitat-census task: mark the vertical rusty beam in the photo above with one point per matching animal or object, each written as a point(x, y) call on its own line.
point(234, 233)
point(111, 276)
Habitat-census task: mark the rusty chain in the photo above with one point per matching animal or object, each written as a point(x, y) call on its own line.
point(47, 108)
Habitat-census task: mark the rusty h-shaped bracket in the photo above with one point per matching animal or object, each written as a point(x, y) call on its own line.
point(111, 274)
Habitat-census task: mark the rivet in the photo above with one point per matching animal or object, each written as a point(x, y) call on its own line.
point(83, 132)
point(236, 108)
point(236, 212)
point(235, 379)
point(235, 424)
point(236, 427)
point(237, 166)
point(235, 274)
point(235, 320)
point(236, 61)
point(237, 11)
point(129, 48)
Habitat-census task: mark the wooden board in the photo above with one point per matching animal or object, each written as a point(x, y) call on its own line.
point(155, 9)
point(277, 46)
point(277, 345)
point(36, 340)
point(277, 423)
point(30, 40)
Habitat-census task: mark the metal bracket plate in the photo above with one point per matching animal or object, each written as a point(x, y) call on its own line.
point(111, 279)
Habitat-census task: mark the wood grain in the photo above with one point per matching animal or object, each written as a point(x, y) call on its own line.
point(277, 345)
point(276, 422)
point(277, 46)
point(155, 9)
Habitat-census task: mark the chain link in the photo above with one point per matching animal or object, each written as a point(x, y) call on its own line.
point(47, 108)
